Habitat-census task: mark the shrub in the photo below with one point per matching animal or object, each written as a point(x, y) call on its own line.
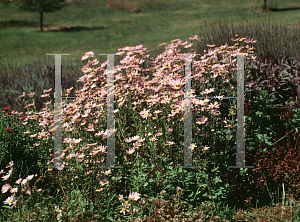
point(276, 160)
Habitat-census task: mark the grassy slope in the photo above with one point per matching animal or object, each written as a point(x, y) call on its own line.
point(159, 21)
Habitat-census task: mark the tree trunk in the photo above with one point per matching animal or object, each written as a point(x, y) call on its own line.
point(265, 6)
point(41, 21)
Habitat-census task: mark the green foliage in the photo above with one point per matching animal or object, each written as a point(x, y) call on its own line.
point(78, 205)
point(19, 147)
point(271, 140)
point(42, 5)
point(5, 2)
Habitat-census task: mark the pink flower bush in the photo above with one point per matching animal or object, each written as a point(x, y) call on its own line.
point(154, 99)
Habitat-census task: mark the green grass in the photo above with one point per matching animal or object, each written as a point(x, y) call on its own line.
point(159, 21)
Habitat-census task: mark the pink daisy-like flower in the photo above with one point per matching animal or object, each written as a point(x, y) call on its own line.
point(9, 200)
point(145, 113)
point(19, 181)
point(142, 202)
point(192, 147)
point(24, 181)
point(47, 90)
point(22, 94)
point(29, 177)
point(201, 120)
point(14, 190)
point(45, 95)
point(195, 37)
point(205, 148)
point(134, 196)
point(131, 151)
point(87, 55)
point(169, 143)
point(6, 177)
point(5, 188)
point(120, 197)
point(124, 210)
point(11, 163)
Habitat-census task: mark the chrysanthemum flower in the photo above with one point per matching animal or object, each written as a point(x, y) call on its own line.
point(134, 196)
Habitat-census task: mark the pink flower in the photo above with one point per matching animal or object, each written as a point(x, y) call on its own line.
point(5, 188)
point(87, 55)
point(205, 148)
point(5, 108)
point(202, 120)
point(9, 200)
point(134, 196)
point(47, 90)
point(131, 151)
point(145, 113)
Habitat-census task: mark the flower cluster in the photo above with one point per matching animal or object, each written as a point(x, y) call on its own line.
point(12, 200)
point(125, 204)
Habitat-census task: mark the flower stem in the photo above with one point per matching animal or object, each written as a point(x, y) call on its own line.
point(131, 210)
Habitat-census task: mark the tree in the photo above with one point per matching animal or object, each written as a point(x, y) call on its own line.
point(41, 6)
point(5, 2)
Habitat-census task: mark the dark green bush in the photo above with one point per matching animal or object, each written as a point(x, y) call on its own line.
point(19, 147)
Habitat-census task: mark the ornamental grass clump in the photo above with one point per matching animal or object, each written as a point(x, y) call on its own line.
point(274, 41)
point(149, 115)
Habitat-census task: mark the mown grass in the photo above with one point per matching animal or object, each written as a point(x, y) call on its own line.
point(159, 21)
point(106, 206)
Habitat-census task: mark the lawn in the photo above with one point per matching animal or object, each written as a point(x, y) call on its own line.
point(113, 28)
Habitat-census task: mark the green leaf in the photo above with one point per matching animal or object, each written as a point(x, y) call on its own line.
point(151, 180)
point(258, 113)
point(109, 217)
point(217, 180)
point(9, 207)
point(188, 213)
point(229, 137)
